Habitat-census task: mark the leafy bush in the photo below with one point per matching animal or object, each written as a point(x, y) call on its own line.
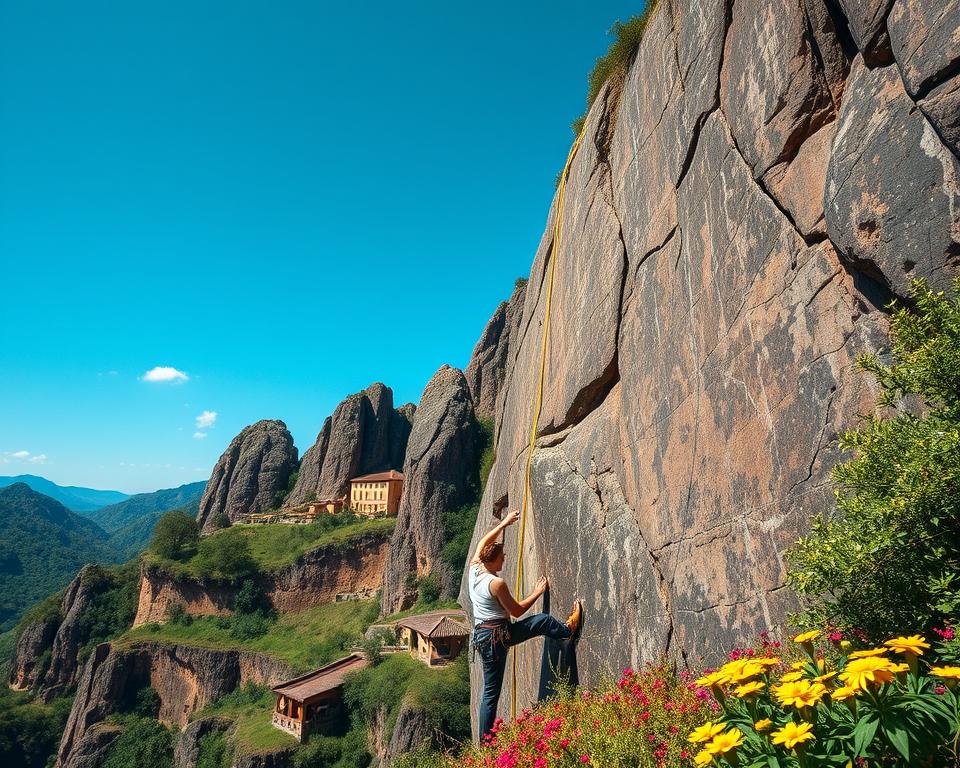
point(144, 743)
point(445, 697)
point(177, 614)
point(897, 531)
point(249, 626)
point(520, 282)
point(872, 707)
point(175, 536)
point(349, 751)
point(221, 520)
point(225, 557)
point(616, 61)
point(429, 589)
point(251, 598)
point(29, 732)
point(113, 604)
point(373, 645)
point(213, 751)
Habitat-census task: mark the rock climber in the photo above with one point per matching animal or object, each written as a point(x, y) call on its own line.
point(493, 607)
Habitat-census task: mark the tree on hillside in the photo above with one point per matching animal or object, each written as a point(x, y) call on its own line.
point(226, 556)
point(175, 536)
point(889, 560)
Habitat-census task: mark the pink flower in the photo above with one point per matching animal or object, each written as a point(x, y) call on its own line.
point(584, 758)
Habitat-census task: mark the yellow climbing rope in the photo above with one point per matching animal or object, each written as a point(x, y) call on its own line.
point(555, 255)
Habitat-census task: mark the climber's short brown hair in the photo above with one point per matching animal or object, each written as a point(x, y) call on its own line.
point(490, 551)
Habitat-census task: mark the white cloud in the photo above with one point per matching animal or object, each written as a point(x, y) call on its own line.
point(165, 373)
point(206, 419)
point(199, 435)
point(21, 455)
point(40, 458)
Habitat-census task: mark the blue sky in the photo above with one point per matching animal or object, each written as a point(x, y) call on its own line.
point(284, 201)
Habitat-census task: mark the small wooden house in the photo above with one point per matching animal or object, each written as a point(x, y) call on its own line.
point(435, 638)
point(313, 703)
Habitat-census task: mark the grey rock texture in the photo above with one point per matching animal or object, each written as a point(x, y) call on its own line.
point(365, 434)
point(186, 750)
point(91, 750)
point(247, 477)
point(185, 678)
point(893, 189)
point(866, 20)
point(713, 290)
point(439, 474)
point(490, 360)
point(32, 642)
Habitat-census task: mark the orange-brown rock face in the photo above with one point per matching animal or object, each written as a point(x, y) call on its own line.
point(316, 578)
point(715, 283)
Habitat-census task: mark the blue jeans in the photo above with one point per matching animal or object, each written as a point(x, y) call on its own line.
point(493, 657)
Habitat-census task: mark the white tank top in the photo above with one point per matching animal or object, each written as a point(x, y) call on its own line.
point(485, 606)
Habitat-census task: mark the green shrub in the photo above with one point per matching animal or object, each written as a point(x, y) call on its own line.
point(349, 751)
point(251, 598)
point(177, 614)
point(889, 560)
point(520, 282)
point(175, 536)
point(225, 556)
point(213, 751)
point(373, 645)
point(616, 61)
point(445, 697)
point(221, 520)
point(429, 589)
point(249, 626)
point(29, 732)
point(113, 604)
point(144, 743)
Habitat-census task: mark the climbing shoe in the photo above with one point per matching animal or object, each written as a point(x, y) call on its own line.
point(575, 620)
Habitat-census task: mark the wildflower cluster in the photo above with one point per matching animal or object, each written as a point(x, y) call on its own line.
point(867, 707)
point(639, 720)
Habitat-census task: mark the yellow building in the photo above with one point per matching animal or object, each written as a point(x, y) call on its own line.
point(435, 638)
point(376, 494)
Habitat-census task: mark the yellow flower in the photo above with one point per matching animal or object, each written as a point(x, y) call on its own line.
point(899, 668)
point(824, 678)
point(791, 677)
point(767, 661)
point(799, 694)
point(867, 653)
point(843, 693)
point(703, 758)
point(844, 644)
point(798, 665)
point(792, 734)
point(914, 645)
point(725, 742)
point(952, 673)
point(747, 688)
point(713, 679)
point(872, 669)
point(807, 637)
point(745, 672)
point(705, 732)
point(763, 725)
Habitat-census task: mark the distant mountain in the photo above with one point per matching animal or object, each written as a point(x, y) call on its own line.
point(130, 523)
point(116, 516)
point(42, 546)
point(74, 498)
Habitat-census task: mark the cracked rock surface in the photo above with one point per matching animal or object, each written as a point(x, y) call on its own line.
point(744, 204)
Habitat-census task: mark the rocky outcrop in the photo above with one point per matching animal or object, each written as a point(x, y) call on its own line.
point(35, 639)
point(186, 750)
point(410, 731)
point(91, 750)
point(491, 356)
point(352, 567)
point(185, 679)
point(365, 434)
point(741, 208)
point(439, 474)
point(251, 472)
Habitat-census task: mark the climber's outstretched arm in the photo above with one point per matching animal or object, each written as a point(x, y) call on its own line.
point(500, 590)
point(492, 534)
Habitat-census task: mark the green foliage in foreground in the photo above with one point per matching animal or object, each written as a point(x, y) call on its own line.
point(236, 552)
point(349, 751)
point(29, 731)
point(889, 561)
point(144, 743)
point(616, 61)
point(175, 536)
point(112, 607)
point(213, 751)
point(304, 640)
point(251, 710)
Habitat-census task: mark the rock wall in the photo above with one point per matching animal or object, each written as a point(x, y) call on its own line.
point(744, 203)
point(490, 359)
point(439, 474)
point(33, 641)
point(316, 578)
point(185, 678)
point(255, 467)
point(365, 434)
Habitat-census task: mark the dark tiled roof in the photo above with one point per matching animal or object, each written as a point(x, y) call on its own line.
point(437, 624)
point(378, 477)
point(322, 680)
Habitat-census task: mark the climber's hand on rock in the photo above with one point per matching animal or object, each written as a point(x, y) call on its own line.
point(542, 584)
point(511, 518)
